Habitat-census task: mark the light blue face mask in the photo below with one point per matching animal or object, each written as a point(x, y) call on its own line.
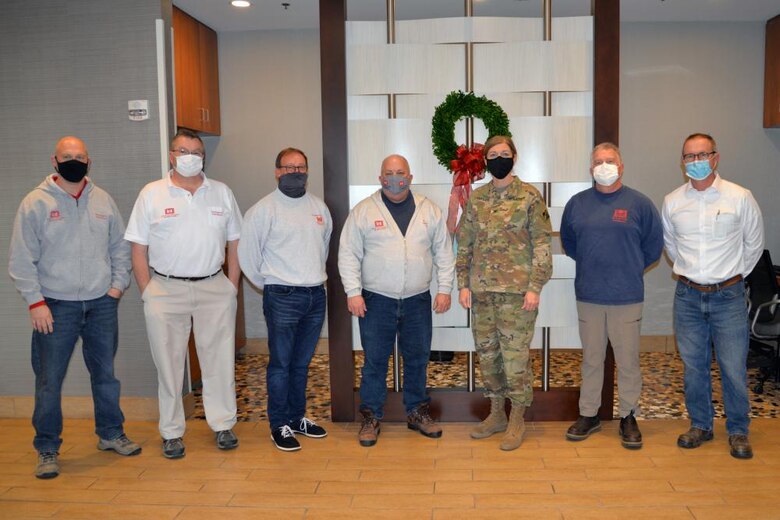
point(698, 170)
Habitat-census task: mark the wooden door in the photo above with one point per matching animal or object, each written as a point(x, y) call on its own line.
point(209, 78)
point(186, 39)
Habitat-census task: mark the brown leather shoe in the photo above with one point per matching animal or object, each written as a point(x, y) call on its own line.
point(369, 429)
point(583, 427)
point(630, 436)
point(420, 419)
point(693, 438)
point(740, 446)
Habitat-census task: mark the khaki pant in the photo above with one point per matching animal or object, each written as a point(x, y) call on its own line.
point(621, 325)
point(171, 308)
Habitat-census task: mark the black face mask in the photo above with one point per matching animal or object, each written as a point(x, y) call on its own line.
point(73, 170)
point(293, 184)
point(500, 166)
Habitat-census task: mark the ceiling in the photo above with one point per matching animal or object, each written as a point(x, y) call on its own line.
point(304, 14)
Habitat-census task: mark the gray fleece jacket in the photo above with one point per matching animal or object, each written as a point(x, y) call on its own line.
point(67, 248)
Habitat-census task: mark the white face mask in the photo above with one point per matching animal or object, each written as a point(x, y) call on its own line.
point(605, 174)
point(189, 165)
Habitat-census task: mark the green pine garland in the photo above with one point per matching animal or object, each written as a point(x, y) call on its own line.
point(459, 104)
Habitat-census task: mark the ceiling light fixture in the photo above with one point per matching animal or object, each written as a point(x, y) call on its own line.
point(240, 3)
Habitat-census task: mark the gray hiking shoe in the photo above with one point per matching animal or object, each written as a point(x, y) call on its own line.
point(122, 445)
point(48, 467)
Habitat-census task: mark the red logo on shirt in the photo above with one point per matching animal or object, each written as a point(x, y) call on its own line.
point(379, 224)
point(620, 215)
point(54, 214)
point(319, 219)
point(101, 216)
point(169, 211)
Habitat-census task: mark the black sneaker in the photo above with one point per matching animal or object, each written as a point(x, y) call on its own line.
point(308, 428)
point(226, 440)
point(284, 439)
point(630, 436)
point(583, 427)
point(173, 448)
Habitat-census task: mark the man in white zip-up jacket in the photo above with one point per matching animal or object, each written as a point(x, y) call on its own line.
point(390, 245)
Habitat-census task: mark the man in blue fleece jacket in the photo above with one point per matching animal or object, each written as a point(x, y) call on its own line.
point(613, 233)
point(71, 264)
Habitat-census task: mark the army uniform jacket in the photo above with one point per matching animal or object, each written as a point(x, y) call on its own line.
point(504, 240)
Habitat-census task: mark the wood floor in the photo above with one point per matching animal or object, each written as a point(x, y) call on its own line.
point(404, 476)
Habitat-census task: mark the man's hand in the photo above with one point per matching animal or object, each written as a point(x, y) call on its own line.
point(442, 303)
point(114, 293)
point(42, 320)
point(356, 306)
point(464, 297)
point(531, 301)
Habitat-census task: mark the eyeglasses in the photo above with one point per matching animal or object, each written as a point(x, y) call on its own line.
point(701, 156)
point(294, 169)
point(184, 151)
point(495, 155)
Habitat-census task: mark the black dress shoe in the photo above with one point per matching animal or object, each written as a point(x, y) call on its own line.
point(693, 438)
point(740, 446)
point(630, 436)
point(583, 427)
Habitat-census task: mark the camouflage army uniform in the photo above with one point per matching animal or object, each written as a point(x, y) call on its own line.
point(504, 251)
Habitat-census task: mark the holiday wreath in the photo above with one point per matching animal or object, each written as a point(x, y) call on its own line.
point(466, 164)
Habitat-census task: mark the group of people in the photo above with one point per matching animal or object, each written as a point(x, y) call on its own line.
point(187, 244)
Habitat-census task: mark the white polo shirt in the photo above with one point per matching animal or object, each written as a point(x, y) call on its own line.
point(186, 233)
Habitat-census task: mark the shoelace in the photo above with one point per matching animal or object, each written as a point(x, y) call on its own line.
point(368, 423)
point(122, 440)
point(286, 431)
point(305, 423)
point(47, 458)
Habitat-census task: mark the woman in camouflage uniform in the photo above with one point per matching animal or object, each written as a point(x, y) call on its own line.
point(503, 261)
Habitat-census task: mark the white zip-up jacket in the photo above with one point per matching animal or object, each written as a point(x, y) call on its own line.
point(374, 255)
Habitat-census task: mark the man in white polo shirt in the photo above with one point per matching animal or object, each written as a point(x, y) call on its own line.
point(179, 228)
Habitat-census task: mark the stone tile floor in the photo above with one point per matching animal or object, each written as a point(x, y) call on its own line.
point(662, 396)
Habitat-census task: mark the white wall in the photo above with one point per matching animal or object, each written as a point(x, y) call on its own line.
point(680, 78)
point(269, 85)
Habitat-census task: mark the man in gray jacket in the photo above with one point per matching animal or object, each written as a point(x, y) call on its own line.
point(390, 245)
point(71, 264)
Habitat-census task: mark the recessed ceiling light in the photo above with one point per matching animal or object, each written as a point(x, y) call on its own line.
point(240, 3)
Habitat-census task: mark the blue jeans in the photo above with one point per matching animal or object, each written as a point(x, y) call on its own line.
point(294, 316)
point(410, 320)
point(96, 322)
point(701, 320)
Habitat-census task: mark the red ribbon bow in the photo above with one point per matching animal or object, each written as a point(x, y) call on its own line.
point(467, 167)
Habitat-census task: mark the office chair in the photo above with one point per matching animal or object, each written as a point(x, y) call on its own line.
point(764, 317)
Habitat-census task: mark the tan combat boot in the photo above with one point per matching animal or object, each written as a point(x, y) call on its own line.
point(515, 430)
point(494, 423)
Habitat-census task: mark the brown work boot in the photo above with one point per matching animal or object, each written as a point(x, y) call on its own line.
point(369, 429)
point(420, 419)
point(493, 423)
point(739, 446)
point(694, 437)
point(514, 430)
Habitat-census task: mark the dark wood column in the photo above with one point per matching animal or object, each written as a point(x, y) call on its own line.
point(333, 67)
point(606, 125)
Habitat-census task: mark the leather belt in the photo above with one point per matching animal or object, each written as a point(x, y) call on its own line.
point(713, 287)
point(187, 278)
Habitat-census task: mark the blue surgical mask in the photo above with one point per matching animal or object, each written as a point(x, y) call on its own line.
point(396, 184)
point(698, 170)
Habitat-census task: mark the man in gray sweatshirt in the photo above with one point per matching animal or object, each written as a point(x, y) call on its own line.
point(283, 248)
point(391, 245)
point(71, 264)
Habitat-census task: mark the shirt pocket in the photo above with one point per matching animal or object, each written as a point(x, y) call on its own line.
point(724, 225)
